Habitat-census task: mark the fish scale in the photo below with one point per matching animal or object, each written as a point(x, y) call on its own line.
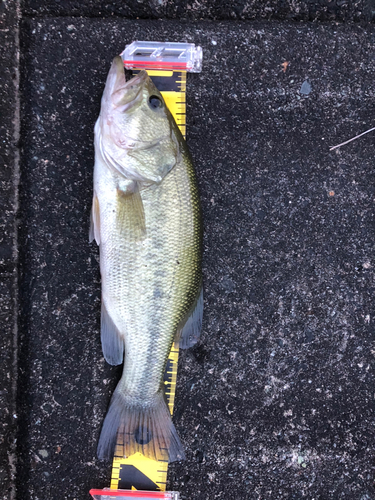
point(168, 248)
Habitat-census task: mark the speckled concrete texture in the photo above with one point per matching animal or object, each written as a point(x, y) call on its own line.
point(9, 125)
point(299, 10)
point(277, 399)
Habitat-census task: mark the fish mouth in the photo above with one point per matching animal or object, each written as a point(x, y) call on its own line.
point(130, 94)
point(138, 79)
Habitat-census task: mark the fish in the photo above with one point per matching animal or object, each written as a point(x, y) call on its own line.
point(146, 219)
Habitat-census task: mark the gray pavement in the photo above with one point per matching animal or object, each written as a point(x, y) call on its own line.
point(9, 165)
point(277, 399)
point(298, 10)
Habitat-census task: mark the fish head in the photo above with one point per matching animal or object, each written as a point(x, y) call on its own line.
point(135, 132)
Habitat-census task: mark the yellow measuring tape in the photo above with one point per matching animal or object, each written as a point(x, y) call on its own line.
point(138, 472)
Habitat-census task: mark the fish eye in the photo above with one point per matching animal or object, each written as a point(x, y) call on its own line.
point(155, 102)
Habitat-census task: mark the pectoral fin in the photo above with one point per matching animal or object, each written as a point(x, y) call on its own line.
point(130, 214)
point(94, 233)
point(190, 329)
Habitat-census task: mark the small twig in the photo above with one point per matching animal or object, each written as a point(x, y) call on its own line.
point(352, 139)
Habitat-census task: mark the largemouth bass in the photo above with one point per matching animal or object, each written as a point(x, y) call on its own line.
point(146, 219)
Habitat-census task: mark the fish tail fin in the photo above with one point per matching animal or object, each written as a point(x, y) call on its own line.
point(147, 429)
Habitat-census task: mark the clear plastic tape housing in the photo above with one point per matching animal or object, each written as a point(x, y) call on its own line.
point(163, 55)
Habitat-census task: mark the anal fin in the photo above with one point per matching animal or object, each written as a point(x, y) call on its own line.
point(112, 340)
point(190, 329)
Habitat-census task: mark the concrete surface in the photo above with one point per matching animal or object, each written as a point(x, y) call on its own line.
point(298, 10)
point(9, 162)
point(277, 400)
